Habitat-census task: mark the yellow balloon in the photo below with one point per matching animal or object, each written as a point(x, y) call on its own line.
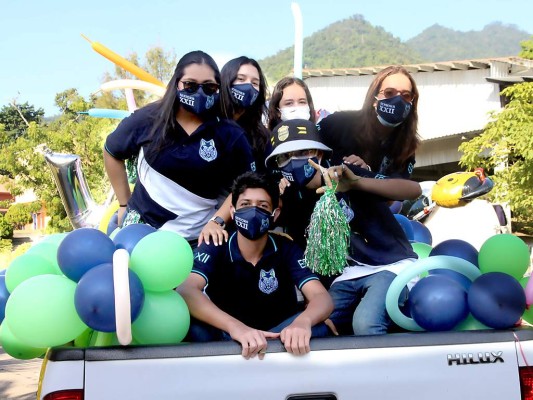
point(108, 213)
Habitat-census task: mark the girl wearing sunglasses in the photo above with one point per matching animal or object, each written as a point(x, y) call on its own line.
point(383, 136)
point(187, 156)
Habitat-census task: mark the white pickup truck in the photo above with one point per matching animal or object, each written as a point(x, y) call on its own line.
point(483, 364)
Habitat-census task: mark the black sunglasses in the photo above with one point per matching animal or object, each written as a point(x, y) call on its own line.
point(209, 88)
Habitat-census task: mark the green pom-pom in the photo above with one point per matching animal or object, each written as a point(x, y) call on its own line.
point(328, 236)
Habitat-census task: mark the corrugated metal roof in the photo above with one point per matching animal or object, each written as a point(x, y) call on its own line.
point(519, 65)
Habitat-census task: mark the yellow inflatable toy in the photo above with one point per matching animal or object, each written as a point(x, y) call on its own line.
point(458, 188)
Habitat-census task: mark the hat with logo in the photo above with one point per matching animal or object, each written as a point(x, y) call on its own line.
point(293, 135)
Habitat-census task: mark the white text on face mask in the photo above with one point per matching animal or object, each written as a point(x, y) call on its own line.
point(297, 112)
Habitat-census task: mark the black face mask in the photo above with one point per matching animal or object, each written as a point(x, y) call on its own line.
point(252, 222)
point(299, 171)
point(392, 112)
point(198, 103)
point(245, 94)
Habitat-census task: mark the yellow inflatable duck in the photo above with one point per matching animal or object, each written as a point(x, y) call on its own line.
point(458, 188)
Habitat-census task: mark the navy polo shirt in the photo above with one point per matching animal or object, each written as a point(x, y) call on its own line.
point(260, 296)
point(377, 237)
point(179, 187)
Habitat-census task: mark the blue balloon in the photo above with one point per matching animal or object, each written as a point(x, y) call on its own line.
point(406, 225)
point(83, 249)
point(94, 298)
point(3, 272)
point(456, 248)
point(497, 300)
point(4, 294)
point(421, 233)
point(438, 303)
point(129, 236)
point(396, 207)
point(113, 224)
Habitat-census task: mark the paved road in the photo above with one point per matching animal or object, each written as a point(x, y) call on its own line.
point(18, 378)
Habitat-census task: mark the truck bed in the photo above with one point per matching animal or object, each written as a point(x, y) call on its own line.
point(411, 365)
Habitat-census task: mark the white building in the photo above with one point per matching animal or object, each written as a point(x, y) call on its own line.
point(455, 100)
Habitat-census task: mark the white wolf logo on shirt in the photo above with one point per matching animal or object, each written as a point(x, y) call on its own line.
point(208, 151)
point(268, 282)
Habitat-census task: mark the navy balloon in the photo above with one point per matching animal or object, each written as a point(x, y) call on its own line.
point(421, 233)
point(406, 225)
point(497, 300)
point(129, 236)
point(438, 303)
point(4, 294)
point(113, 224)
point(396, 207)
point(83, 249)
point(455, 248)
point(94, 298)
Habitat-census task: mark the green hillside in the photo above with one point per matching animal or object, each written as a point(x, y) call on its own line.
point(438, 43)
point(354, 42)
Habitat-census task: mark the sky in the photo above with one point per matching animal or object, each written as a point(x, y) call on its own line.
point(43, 53)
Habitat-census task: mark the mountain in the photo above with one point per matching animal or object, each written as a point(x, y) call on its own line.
point(354, 42)
point(438, 43)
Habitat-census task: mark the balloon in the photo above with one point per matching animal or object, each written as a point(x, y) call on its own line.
point(162, 260)
point(4, 295)
point(470, 324)
point(457, 248)
point(106, 221)
point(395, 207)
point(130, 99)
point(3, 272)
point(47, 250)
point(66, 170)
point(26, 266)
point(82, 250)
point(438, 303)
point(119, 84)
point(17, 349)
point(130, 235)
point(528, 290)
point(164, 319)
point(94, 298)
point(497, 300)
point(41, 312)
point(421, 232)
point(422, 249)
point(504, 253)
point(106, 113)
point(419, 266)
point(406, 225)
point(54, 238)
point(122, 62)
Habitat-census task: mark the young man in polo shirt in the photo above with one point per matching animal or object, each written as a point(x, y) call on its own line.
point(245, 289)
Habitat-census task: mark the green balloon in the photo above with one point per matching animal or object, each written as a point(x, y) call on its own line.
point(470, 324)
point(15, 348)
point(505, 253)
point(25, 267)
point(422, 249)
point(41, 311)
point(54, 238)
point(162, 260)
point(47, 250)
point(164, 319)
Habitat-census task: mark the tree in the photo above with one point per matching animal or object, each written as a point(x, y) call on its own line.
point(6, 228)
point(508, 141)
point(71, 133)
point(18, 215)
point(15, 118)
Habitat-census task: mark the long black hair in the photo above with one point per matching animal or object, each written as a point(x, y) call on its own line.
point(252, 119)
point(166, 108)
